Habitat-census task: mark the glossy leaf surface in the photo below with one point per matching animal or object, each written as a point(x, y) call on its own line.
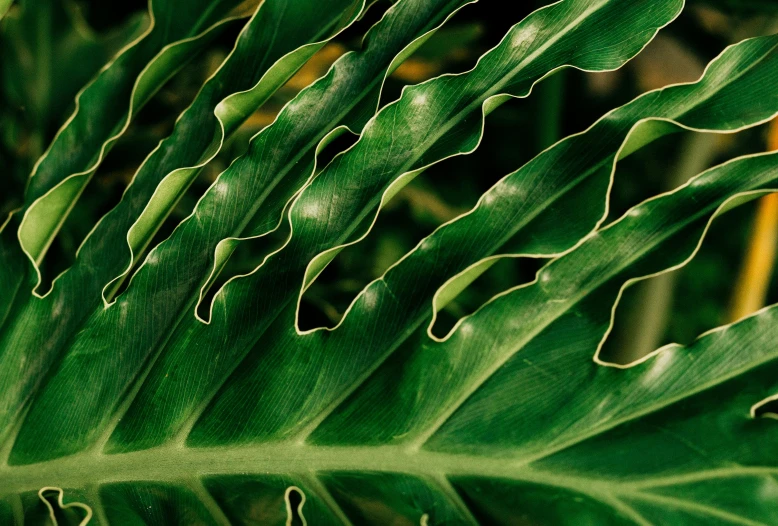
point(139, 412)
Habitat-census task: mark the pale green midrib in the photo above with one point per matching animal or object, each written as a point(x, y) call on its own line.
point(180, 464)
point(426, 434)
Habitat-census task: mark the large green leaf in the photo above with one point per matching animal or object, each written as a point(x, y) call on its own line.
point(506, 419)
point(397, 141)
point(389, 310)
point(546, 434)
point(47, 323)
point(260, 63)
point(547, 40)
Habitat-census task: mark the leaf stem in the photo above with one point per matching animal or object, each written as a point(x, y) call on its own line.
point(753, 282)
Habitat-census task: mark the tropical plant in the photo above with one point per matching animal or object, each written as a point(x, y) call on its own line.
point(131, 394)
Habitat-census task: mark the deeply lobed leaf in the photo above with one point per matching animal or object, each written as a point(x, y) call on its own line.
point(377, 421)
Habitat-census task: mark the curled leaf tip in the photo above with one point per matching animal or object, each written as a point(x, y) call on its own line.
point(62, 506)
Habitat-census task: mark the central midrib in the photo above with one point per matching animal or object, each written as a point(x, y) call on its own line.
point(176, 464)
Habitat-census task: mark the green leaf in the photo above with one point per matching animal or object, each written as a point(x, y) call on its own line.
point(435, 120)
point(177, 32)
point(259, 64)
point(47, 323)
point(60, 176)
point(567, 436)
point(389, 311)
point(506, 419)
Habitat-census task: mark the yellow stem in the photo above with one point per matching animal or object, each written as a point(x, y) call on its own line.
point(754, 280)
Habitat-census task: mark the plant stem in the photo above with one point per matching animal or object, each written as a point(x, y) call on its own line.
point(752, 284)
point(754, 280)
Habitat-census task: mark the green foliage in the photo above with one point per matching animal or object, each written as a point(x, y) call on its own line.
point(120, 404)
point(48, 54)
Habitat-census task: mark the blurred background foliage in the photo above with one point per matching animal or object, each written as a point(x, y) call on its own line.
point(50, 48)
